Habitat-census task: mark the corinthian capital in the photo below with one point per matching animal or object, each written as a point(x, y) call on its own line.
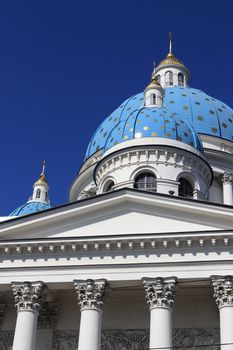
point(227, 177)
point(28, 295)
point(223, 290)
point(160, 292)
point(91, 293)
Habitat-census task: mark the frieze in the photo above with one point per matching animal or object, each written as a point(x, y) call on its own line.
point(65, 340)
point(138, 339)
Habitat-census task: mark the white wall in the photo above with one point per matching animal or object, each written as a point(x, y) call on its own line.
point(216, 192)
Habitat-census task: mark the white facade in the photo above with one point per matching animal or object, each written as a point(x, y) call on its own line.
point(123, 268)
point(124, 237)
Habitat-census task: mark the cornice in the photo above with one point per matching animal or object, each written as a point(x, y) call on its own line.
point(120, 243)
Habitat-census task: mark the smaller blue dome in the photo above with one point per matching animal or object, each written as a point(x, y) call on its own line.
point(156, 123)
point(30, 208)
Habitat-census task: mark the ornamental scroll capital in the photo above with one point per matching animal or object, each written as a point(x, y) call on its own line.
point(91, 293)
point(223, 290)
point(227, 178)
point(28, 295)
point(160, 292)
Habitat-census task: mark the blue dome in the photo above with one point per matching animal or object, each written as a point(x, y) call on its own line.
point(205, 114)
point(30, 208)
point(153, 122)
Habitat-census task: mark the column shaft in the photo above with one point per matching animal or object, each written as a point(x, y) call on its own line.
point(25, 330)
point(160, 328)
point(90, 323)
point(226, 327)
point(160, 294)
point(28, 298)
point(91, 294)
point(227, 193)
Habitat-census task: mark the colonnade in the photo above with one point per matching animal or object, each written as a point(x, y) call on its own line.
point(160, 297)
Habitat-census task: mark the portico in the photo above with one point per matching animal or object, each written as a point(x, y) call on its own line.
point(160, 296)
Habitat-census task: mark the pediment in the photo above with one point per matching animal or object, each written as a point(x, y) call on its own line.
point(121, 212)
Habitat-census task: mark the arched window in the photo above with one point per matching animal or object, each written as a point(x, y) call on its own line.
point(158, 78)
point(153, 99)
point(185, 188)
point(146, 181)
point(169, 78)
point(109, 186)
point(38, 193)
point(181, 79)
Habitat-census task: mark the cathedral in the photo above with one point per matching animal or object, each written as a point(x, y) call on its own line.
point(141, 257)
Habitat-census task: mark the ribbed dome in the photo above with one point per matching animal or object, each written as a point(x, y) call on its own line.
point(207, 116)
point(153, 122)
point(30, 208)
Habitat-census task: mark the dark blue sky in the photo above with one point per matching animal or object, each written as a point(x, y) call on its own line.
point(66, 65)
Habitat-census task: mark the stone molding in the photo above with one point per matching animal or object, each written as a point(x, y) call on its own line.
point(223, 290)
point(40, 249)
point(160, 292)
point(91, 293)
point(28, 295)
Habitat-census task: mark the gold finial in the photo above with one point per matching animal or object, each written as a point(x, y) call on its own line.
point(153, 75)
point(170, 58)
point(43, 167)
point(170, 43)
point(154, 80)
point(42, 177)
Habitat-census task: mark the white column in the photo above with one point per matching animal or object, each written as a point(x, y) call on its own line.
point(28, 298)
point(223, 295)
point(160, 294)
point(227, 180)
point(91, 295)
